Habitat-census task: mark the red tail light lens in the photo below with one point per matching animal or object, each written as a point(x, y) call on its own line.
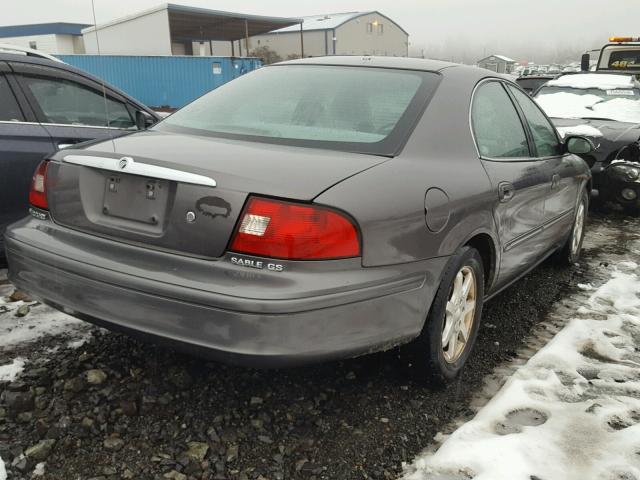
point(38, 192)
point(278, 229)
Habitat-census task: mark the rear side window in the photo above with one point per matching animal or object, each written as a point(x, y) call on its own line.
point(543, 133)
point(496, 124)
point(9, 109)
point(363, 109)
point(69, 103)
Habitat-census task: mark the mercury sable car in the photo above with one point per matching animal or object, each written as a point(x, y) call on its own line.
point(315, 209)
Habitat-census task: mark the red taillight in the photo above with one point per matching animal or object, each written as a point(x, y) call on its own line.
point(294, 231)
point(38, 192)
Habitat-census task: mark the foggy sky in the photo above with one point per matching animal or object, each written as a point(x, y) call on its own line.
point(543, 31)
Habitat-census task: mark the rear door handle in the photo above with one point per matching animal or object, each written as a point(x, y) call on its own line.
point(506, 191)
point(555, 180)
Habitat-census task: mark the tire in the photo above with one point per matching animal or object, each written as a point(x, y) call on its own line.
point(570, 252)
point(428, 357)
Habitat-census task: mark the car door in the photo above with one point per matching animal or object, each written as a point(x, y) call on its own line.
point(23, 144)
point(73, 108)
point(520, 184)
point(562, 168)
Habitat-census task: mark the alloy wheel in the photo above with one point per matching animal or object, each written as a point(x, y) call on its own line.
point(460, 314)
point(578, 229)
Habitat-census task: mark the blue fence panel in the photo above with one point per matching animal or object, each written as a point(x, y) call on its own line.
point(163, 81)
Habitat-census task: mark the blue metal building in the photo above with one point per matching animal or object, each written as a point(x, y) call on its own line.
point(163, 81)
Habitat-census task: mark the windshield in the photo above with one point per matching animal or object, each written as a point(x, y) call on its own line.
point(368, 110)
point(620, 104)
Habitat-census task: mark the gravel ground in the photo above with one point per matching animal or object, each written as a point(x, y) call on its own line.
point(118, 408)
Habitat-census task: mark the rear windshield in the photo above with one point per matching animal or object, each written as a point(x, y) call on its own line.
point(358, 109)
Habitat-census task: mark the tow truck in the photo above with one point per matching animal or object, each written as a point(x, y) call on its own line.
point(620, 55)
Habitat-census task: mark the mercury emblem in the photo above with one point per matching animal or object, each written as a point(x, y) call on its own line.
point(124, 161)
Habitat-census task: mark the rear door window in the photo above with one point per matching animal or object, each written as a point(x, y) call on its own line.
point(9, 108)
point(543, 133)
point(496, 124)
point(65, 102)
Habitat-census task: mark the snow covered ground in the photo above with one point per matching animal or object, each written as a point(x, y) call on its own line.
point(573, 410)
point(40, 320)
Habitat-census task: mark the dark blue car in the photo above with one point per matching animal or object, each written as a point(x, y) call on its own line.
point(46, 106)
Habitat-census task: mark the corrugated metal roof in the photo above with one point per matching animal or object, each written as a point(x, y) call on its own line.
point(499, 57)
point(506, 59)
point(257, 23)
point(323, 22)
point(57, 28)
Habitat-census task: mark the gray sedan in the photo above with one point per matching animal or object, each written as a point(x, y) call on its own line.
point(315, 209)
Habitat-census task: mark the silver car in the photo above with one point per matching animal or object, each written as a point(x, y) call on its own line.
point(315, 209)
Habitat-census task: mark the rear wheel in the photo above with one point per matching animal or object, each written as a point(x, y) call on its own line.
point(570, 252)
point(451, 328)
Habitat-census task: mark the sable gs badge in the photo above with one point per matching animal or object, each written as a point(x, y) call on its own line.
point(258, 264)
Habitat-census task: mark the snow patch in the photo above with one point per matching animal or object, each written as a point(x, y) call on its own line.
point(3, 472)
point(586, 130)
point(573, 105)
point(600, 81)
point(40, 321)
point(9, 372)
point(571, 412)
point(39, 470)
point(75, 344)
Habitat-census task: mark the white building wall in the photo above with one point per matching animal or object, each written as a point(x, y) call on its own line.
point(353, 37)
point(220, 48)
point(78, 44)
point(288, 43)
point(147, 34)
point(64, 44)
point(45, 43)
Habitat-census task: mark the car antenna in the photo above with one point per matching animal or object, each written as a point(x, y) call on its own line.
point(104, 88)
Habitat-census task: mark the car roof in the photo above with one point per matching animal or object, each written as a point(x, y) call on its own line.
point(374, 61)
point(19, 58)
point(402, 63)
point(536, 77)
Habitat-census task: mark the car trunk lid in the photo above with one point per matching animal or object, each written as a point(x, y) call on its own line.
point(183, 193)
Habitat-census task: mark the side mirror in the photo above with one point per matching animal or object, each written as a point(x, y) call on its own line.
point(579, 145)
point(585, 62)
point(144, 120)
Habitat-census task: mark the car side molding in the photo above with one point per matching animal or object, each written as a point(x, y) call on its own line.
point(130, 166)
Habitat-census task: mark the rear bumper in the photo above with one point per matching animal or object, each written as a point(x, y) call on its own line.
point(286, 322)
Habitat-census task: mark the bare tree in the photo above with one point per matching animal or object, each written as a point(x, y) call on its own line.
point(265, 54)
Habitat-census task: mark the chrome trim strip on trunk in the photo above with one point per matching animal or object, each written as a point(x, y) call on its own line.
point(131, 167)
